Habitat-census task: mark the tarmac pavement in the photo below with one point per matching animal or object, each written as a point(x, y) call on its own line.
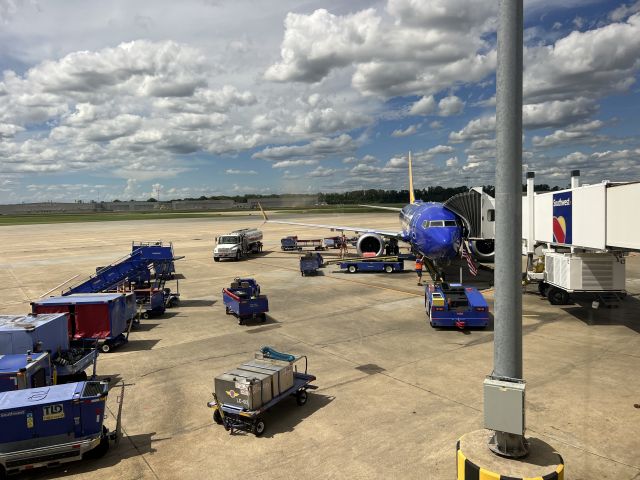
point(394, 394)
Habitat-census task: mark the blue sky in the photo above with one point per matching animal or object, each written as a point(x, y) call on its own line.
point(104, 100)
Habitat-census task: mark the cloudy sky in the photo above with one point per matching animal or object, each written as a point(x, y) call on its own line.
point(114, 99)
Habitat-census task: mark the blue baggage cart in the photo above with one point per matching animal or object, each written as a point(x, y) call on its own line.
point(243, 300)
point(374, 264)
point(454, 305)
point(310, 263)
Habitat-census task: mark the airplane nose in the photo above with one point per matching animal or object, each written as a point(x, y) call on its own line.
point(443, 242)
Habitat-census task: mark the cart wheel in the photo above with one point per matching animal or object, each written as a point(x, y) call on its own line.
point(226, 310)
point(216, 259)
point(101, 449)
point(263, 318)
point(302, 273)
point(217, 417)
point(352, 269)
point(259, 427)
point(557, 296)
point(543, 288)
point(238, 256)
point(431, 323)
point(145, 315)
point(388, 268)
point(240, 321)
point(301, 397)
point(105, 348)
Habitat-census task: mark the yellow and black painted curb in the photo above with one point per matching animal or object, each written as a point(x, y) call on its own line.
point(467, 470)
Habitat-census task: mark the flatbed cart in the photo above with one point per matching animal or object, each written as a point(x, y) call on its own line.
point(233, 417)
point(374, 264)
point(243, 300)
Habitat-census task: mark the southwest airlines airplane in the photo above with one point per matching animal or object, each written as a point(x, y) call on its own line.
point(430, 228)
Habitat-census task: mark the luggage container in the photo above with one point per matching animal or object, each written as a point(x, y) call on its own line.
point(22, 370)
point(282, 372)
point(52, 425)
point(99, 317)
point(22, 333)
point(239, 390)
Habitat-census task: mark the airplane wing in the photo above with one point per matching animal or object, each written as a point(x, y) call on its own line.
point(335, 228)
point(393, 209)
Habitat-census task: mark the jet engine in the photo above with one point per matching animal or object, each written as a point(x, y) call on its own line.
point(482, 250)
point(370, 243)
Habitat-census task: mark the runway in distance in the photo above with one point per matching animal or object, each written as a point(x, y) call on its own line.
point(430, 228)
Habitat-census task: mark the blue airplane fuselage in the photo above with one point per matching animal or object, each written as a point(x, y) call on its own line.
point(431, 229)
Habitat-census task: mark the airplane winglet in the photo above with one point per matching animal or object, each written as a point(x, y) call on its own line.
point(412, 195)
point(264, 215)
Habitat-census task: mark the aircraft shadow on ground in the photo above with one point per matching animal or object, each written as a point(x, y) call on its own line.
point(286, 415)
point(627, 314)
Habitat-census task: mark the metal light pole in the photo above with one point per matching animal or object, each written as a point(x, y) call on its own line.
point(507, 353)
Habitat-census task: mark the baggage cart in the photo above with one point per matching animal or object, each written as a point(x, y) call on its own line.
point(246, 418)
point(243, 300)
point(310, 263)
point(374, 264)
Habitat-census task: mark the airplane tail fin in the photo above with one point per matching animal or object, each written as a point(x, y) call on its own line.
point(412, 195)
point(264, 215)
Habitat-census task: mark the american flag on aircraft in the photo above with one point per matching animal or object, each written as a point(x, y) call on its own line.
point(467, 256)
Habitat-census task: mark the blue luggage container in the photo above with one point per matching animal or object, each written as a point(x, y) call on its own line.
point(21, 333)
point(22, 371)
point(51, 425)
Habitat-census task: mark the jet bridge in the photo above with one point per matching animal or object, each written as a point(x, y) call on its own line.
point(597, 217)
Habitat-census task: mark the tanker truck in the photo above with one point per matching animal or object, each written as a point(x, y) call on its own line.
point(237, 244)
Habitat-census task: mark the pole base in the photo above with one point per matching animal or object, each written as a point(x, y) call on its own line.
point(509, 445)
point(475, 461)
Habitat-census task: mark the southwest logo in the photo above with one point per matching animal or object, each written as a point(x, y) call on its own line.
point(559, 229)
point(232, 393)
point(562, 217)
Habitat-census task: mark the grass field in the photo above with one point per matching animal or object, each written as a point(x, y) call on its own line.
point(32, 219)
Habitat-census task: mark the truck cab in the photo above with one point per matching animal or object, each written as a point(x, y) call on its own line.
point(228, 246)
point(238, 243)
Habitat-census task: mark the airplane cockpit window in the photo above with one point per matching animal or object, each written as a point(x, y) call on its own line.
point(449, 223)
point(436, 223)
